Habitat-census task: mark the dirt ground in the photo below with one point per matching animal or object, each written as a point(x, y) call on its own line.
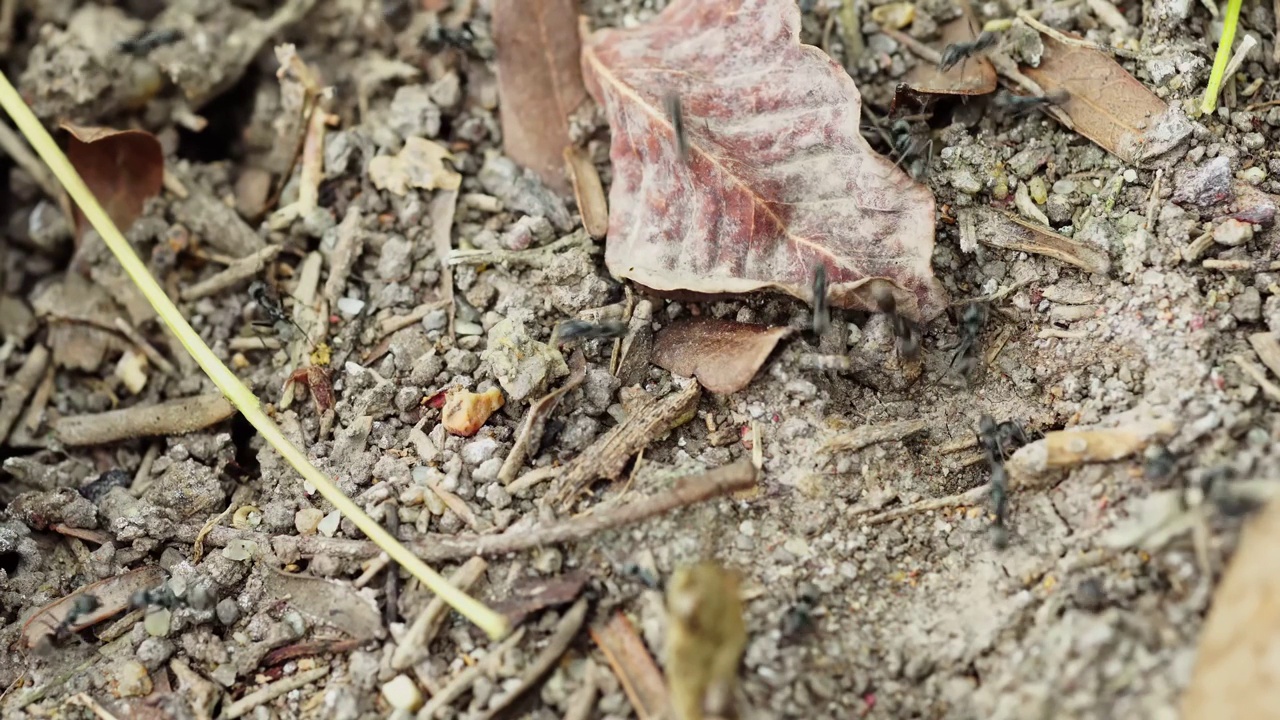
point(857, 603)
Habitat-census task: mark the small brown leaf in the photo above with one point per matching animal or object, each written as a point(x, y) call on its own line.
point(539, 82)
point(778, 178)
point(974, 76)
point(123, 169)
point(723, 355)
point(317, 381)
point(529, 595)
point(1107, 104)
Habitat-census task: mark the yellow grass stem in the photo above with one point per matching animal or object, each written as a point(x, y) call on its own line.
point(1210, 100)
point(495, 625)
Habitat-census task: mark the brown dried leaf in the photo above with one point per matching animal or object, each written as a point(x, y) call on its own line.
point(779, 177)
point(1107, 104)
point(975, 76)
point(723, 355)
point(123, 169)
point(531, 594)
point(588, 191)
point(113, 597)
point(539, 82)
point(1239, 655)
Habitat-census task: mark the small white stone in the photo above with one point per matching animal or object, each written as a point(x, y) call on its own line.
point(307, 519)
point(157, 622)
point(1232, 233)
point(350, 307)
point(239, 550)
point(328, 527)
point(748, 528)
point(402, 693)
point(1130, 175)
point(463, 327)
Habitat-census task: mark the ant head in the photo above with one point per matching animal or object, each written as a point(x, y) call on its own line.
point(885, 300)
point(986, 425)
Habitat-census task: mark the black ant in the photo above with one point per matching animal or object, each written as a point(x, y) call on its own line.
point(271, 306)
point(145, 42)
point(675, 111)
point(638, 573)
point(960, 52)
point(198, 597)
point(966, 359)
point(997, 441)
point(581, 330)
point(799, 617)
point(1018, 104)
point(915, 154)
point(821, 307)
point(82, 605)
point(906, 331)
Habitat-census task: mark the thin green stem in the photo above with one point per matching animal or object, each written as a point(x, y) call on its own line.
point(1210, 101)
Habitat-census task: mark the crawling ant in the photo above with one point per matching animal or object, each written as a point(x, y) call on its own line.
point(462, 38)
point(799, 617)
point(997, 440)
point(197, 597)
point(915, 153)
point(82, 605)
point(149, 40)
point(638, 573)
point(675, 111)
point(821, 308)
point(960, 52)
point(965, 359)
point(271, 306)
point(581, 330)
point(1018, 104)
point(1158, 463)
point(906, 331)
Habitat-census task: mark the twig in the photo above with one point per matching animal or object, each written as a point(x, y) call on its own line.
point(1259, 376)
point(175, 417)
point(238, 271)
point(414, 646)
point(20, 388)
point(1237, 59)
point(39, 402)
point(634, 667)
point(589, 191)
point(535, 257)
point(1153, 201)
point(868, 435)
point(391, 585)
point(13, 146)
point(1196, 247)
point(1065, 39)
point(197, 547)
point(273, 691)
point(147, 348)
point(533, 478)
point(968, 497)
point(92, 536)
point(1241, 265)
point(463, 681)
point(142, 478)
point(92, 705)
point(535, 420)
point(556, 646)
point(375, 566)
point(1062, 334)
point(444, 204)
point(435, 548)
point(1268, 349)
point(396, 323)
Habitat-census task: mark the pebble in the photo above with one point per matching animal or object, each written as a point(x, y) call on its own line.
point(479, 450)
point(1247, 306)
point(350, 307)
point(497, 496)
point(328, 527)
point(402, 693)
point(128, 679)
point(966, 182)
point(394, 262)
point(435, 320)
point(1232, 233)
point(1208, 184)
point(306, 520)
point(239, 550)
point(158, 622)
point(413, 114)
point(487, 471)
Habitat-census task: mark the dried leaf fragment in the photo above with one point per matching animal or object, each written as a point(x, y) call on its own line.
point(724, 355)
point(465, 412)
point(633, 665)
point(779, 177)
point(419, 164)
point(1011, 232)
point(589, 192)
point(123, 169)
point(315, 379)
point(539, 82)
point(1238, 657)
point(1107, 104)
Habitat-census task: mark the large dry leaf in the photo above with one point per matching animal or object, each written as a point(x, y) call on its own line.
point(1107, 104)
point(1237, 673)
point(723, 355)
point(123, 169)
point(779, 178)
point(539, 82)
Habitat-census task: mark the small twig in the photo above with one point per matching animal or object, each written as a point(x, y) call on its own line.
point(273, 691)
point(1196, 247)
point(634, 667)
point(868, 435)
point(175, 185)
point(1241, 265)
point(463, 681)
point(92, 705)
point(535, 257)
point(142, 478)
point(1062, 334)
point(415, 645)
point(968, 497)
point(396, 323)
point(589, 191)
point(236, 272)
point(147, 348)
point(1065, 39)
point(557, 644)
point(535, 420)
point(39, 402)
point(391, 586)
point(375, 566)
point(197, 547)
point(533, 478)
point(1153, 201)
point(684, 491)
point(1259, 376)
point(175, 417)
point(14, 147)
point(92, 536)
point(20, 388)
point(1247, 44)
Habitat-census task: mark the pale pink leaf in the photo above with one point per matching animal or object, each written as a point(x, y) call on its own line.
point(778, 177)
point(724, 355)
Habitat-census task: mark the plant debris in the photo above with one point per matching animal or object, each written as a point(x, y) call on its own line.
point(722, 354)
point(123, 169)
